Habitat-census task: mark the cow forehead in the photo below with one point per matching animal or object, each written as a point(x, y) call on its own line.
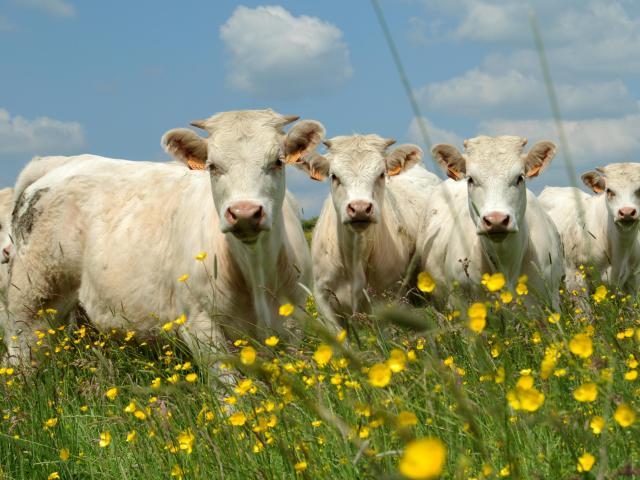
point(490, 156)
point(622, 175)
point(358, 154)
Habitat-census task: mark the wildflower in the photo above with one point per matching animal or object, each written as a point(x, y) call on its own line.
point(64, 454)
point(140, 415)
point(581, 345)
point(549, 361)
point(180, 320)
point(286, 309)
point(624, 415)
point(238, 419)
point(191, 377)
point(521, 289)
point(185, 441)
point(525, 396)
point(426, 282)
point(406, 419)
point(585, 462)
point(477, 317)
point(50, 423)
point(323, 354)
point(600, 294)
point(272, 341)
point(379, 375)
point(247, 355)
point(397, 360)
point(84, 408)
point(177, 472)
point(183, 278)
point(300, 466)
point(173, 378)
point(167, 326)
point(342, 334)
point(105, 439)
point(631, 375)
point(506, 297)
point(155, 383)
point(493, 282)
point(53, 476)
point(201, 256)
point(553, 318)
point(587, 392)
point(131, 436)
point(423, 459)
point(112, 393)
point(597, 424)
point(131, 407)
point(244, 386)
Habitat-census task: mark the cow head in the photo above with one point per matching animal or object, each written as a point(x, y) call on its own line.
point(495, 169)
point(620, 182)
point(358, 166)
point(244, 154)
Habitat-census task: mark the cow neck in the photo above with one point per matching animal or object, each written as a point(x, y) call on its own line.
point(507, 256)
point(259, 266)
point(620, 246)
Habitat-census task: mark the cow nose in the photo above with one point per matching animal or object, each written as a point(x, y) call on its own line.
point(245, 216)
point(627, 213)
point(360, 211)
point(496, 222)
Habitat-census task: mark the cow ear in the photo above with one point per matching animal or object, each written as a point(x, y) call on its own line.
point(402, 158)
point(187, 146)
point(451, 160)
point(303, 138)
point(314, 165)
point(594, 180)
point(538, 158)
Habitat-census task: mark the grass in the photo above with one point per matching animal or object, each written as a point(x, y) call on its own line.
point(297, 418)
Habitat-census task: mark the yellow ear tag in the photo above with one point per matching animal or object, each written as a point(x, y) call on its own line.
point(195, 164)
point(454, 175)
point(534, 171)
point(293, 157)
point(394, 171)
point(315, 175)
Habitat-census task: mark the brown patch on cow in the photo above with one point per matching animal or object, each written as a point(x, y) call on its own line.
point(23, 224)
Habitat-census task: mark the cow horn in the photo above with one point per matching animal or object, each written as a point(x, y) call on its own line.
point(289, 119)
point(199, 124)
point(327, 143)
point(389, 141)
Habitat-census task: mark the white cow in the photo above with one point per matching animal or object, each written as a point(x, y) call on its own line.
point(6, 207)
point(117, 239)
point(600, 231)
point(487, 221)
point(365, 236)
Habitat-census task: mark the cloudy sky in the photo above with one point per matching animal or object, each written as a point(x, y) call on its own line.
point(111, 77)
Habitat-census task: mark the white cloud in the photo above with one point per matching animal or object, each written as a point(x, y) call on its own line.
point(591, 142)
point(42, 135)
point(436, 134)
point(512, 93)
point(276, 54)
point(57, 8)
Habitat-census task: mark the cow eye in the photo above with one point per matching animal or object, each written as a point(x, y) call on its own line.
point(278, 164)
point(335, 179)
point(520, 180)
point(381, 176)
point(214, 169)
point(610, 193)
point(471, 181)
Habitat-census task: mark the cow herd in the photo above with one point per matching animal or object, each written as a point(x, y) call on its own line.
point(117, 239)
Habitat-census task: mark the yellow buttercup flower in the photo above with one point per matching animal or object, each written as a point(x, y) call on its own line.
point(426, 282)
point(131, 407)
point(177, 472)
point(248, 355)
point(131, 436)
point(600, 294)
point(300, 466)
point(587, 392)
point(185, 441)
point(50, 423)
point(493, 282)
point(238, 419)
point(272, 341)
point(477, 317)
point(397, 360)
point(183, 278)
point(624, 415)
point(506, 297)
point(53, 476)
point(323, 354)
point(406, 419)
point(201, 256)
point(112, 393)
point(581, 345)
point(191, 377)
point(64, 454)
point(156, 382)
point(423, 459)
point(521, 289)
point(597, 424)
point(286, 309)
point(379, 375)
point(631, 375)
point(585, 462)
point(525, 396)
point(553, 318)
point(105, 439)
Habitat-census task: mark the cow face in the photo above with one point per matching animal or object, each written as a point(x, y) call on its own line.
point(245, 154)
point(358, 166)
point(620, 183)
point(495, 170)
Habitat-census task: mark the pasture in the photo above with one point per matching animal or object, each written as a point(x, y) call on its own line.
point(505, 393)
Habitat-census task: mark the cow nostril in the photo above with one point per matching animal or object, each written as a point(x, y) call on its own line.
point(258, 214)
point(505, 220)
point(231, 217)
point(369, 209)
point(487, 222)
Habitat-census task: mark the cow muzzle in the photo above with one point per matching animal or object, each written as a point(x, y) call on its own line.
point(497, 225)
point(245, 221)
point(627, 217)
point(359, 215)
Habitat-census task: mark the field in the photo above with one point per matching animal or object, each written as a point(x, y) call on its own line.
point(495, 391)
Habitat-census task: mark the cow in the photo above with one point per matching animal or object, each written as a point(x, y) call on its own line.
point(599, 231)
point(365, 235)
point(485, 220)
point(120, 239)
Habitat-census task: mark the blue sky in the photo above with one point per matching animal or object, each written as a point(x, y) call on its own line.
point(111, 77)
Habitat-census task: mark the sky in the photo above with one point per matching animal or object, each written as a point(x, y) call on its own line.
point(109, 78)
